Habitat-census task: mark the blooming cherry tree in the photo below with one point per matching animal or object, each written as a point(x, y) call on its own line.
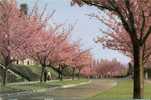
point(134, 18)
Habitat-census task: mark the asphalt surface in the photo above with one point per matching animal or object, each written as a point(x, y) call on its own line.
point(73, 93)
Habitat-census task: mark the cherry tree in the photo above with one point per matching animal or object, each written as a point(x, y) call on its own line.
point(50, 47)
point(120, 41)
point(106, 68)
point(77, 58)
point(88, 71)
point(16, 28)
point(39, 48)
point(70, 55)
point(64, 56)
point(134, 18)
point(84, 60)
point(13, 34)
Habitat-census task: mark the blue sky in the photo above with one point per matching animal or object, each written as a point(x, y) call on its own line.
point(86, 29)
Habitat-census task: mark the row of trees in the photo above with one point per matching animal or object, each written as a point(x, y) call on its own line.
point(109, 69)
point(132, 24)
point(28, 35)
point(105, 69)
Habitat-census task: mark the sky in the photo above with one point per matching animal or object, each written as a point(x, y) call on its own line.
point(86, 29)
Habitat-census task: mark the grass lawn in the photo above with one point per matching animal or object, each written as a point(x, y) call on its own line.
point(123, 90)
point(36, 86)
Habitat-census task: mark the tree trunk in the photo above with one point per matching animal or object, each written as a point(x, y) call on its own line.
point(5, 76)
point(42, 74)
point(73, 74)
point(61, 76)
point(45, 75)
point(79, 75)
point(138, 90)
point(60, 73)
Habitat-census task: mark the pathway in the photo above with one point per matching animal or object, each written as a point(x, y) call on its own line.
point(72, 93)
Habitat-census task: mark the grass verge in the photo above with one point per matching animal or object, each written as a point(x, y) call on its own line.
point(123, 91)
point(37, 86)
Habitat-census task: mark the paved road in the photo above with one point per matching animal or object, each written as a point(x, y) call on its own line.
point(73, 93)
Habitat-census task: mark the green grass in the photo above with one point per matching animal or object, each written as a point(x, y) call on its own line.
point(36, 69)
point(8, 90)
point(26, 72)
point(36, 86)
point(122, 91)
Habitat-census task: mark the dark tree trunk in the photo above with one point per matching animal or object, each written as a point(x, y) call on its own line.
point(7, 61)
point(5, 76)
point(79, 75)
point(60, 76)
point(45, 75)
point(60, 73)
point(58, 70)
point(73, 74)
point(138, 90)
point(42, 74)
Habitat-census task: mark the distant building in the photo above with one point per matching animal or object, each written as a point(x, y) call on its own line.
point(25, 62)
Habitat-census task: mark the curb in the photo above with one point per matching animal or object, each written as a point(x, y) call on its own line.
point(74, 85)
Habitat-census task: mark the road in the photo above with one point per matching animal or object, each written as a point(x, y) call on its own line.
point(73, 93)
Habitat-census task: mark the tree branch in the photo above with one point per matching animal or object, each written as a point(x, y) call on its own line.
point(143, 25)
point(146, 35)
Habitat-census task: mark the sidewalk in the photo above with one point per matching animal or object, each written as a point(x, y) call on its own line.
point(49, 89)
